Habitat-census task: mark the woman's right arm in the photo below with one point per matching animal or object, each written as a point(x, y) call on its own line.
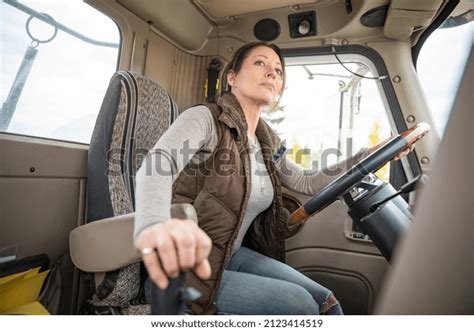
point(176, 244)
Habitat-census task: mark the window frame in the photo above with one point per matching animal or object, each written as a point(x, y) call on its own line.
point(443, 15)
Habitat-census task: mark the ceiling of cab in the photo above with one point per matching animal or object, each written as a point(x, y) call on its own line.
point(221, 9)
point(178, 20)
point(194, 24)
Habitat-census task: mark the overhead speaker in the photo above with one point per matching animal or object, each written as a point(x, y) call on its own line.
point(375, 17)
point(267, 29)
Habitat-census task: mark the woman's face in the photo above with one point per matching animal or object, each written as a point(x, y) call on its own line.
point(260, 79)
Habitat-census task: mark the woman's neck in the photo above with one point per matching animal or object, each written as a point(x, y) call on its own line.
point(252, 113)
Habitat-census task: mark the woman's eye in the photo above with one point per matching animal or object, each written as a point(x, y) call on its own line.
point(260, 63)
point(279, 72)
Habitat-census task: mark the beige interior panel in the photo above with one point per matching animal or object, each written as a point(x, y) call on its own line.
point(405, 17)
point(35, 157)
point(333, 23)
point(161, 61)
point(368, 269)
point(327, 230)
point(424, 5)
point(401, 23)
point(189, 78)
point(323, 248)
point(218, 9)
point(181, 74)
point(39, 209)
point(39, 213)
point(191, 33)
point(410, 94)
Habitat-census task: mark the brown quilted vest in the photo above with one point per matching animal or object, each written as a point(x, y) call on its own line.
point(219, 189)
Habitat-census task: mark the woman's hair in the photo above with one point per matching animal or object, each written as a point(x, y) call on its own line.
point(241, 54)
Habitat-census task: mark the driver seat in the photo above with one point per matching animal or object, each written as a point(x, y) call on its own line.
point(134, 114)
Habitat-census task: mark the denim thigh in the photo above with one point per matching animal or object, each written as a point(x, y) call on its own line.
point(259, 285)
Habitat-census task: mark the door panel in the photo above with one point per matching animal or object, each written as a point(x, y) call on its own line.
point(352, 269)
point(42, 194)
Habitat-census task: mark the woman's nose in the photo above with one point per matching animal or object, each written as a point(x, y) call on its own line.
point(271, 73)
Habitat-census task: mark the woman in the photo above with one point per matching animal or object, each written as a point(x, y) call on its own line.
point(230, 165)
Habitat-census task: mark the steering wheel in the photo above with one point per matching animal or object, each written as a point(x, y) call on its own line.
point(354, 175)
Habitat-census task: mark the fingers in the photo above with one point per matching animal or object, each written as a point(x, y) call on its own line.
point(185, 243)
point(155, 272)
point(199, 251)
point(165, 245)
point(405, 152)
point(203, 269)
point(178, 245)
point(157, 238)
point(401, 154)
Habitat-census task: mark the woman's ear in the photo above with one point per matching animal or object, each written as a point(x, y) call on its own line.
point(231, 78)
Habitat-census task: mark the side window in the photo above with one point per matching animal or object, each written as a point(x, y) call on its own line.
point(441, 64)
point(57, 61)
point(328, 114)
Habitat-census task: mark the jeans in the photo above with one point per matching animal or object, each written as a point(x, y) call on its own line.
point(254, 284)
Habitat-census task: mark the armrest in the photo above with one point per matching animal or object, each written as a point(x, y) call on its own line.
point(104, 245)
point(107, 245)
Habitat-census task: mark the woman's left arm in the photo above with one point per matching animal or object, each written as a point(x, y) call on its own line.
point(310, 182)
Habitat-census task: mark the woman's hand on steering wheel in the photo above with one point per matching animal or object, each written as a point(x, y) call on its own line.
point(393, 148)
point(400, 155)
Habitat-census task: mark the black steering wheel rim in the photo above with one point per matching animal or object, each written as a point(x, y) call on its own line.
point(354, 175)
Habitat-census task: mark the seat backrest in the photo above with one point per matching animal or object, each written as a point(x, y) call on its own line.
point(134, 114)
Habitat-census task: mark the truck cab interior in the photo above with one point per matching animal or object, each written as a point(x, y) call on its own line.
point(89, 87)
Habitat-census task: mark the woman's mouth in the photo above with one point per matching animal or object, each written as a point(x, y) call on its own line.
point(269, 85)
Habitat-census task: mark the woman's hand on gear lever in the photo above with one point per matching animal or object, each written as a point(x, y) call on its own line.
point(173, 246)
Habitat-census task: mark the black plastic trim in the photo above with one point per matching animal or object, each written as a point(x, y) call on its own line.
point(448, 9)
point(99, 204)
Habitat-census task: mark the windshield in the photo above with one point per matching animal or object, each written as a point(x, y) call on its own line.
point(441, 64)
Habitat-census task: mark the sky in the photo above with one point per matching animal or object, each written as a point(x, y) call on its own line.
point(69, 78)
point(440, 66)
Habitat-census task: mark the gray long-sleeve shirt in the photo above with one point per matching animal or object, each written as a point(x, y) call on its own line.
point(193, 138)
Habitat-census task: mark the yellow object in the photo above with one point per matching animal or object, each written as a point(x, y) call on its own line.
point(19, 292)
point(374, 138)
point(32, 308)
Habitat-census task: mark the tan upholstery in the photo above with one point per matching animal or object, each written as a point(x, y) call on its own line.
point(107, 245)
